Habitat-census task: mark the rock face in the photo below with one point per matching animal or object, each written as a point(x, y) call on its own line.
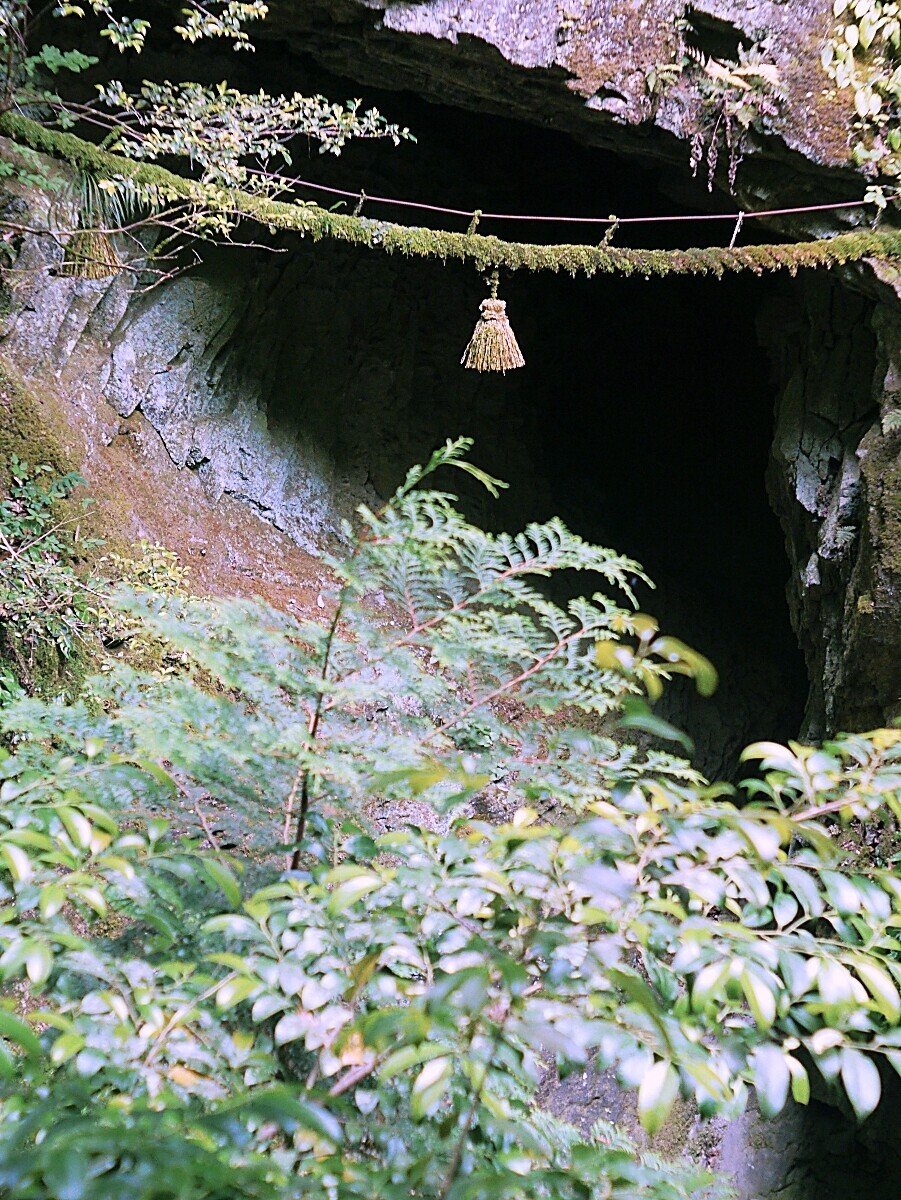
point(593, 69)
point(301, 426)
point(835, 480)
point(809, 1153)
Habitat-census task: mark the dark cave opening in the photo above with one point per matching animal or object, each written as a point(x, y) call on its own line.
point(643, 416)
point(656, 427)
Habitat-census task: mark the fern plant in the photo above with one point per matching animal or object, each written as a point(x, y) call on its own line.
point(350, 982)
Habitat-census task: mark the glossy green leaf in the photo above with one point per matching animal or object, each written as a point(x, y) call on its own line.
point(656, 1095)
point(223, 877)
point(430, 1087)
point(861, 1081)
point(20, 1033)
point(771, 1077)
point(233, 991)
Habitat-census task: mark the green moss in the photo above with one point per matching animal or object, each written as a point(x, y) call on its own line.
point(673, 1140)
point(28, 428)
point(483, 252)
point(31, 429)
point(891, 532)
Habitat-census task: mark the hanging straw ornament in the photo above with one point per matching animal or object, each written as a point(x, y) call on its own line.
point(493, 345)
point(90, 254)
point(91, 251)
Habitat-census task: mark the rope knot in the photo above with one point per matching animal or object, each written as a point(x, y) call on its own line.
point(493, 309)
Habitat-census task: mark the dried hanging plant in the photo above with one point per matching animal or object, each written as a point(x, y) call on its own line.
point(493, 345)
point(90, 254)
point(91, 251)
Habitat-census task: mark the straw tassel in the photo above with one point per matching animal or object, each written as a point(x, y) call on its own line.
point(90, 254)
point(493, 345)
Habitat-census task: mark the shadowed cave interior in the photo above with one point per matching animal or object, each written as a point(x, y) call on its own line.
point(643, 417)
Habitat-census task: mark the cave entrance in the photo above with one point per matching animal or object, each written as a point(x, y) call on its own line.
point(643, 417)
point(653, 422)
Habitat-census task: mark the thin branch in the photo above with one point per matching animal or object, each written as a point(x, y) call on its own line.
point(354, 1076)
point(505, 687)
point(313, 727)
point(184, 1011)
point(210, 835)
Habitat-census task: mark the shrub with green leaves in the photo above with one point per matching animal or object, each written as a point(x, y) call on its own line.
point(45, 608)
point(56, 619)
point(224, 138)
point(864, 56)
point(455, 878)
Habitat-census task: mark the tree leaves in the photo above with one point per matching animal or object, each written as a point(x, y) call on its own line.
point(19, 1033)
point(352, 890)
point(800, 1081)
point(637, 715)
point(388, 1007)
point(760, 997)
point(771, 1077)
point(860, 1077)
point(657, 1093)
point(881, 987)
point(430, 1087)
point(223, 877)
point(233, 991)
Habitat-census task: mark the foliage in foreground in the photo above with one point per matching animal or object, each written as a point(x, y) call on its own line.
point(864, 56)
point(55, 615)
point(366, 1003)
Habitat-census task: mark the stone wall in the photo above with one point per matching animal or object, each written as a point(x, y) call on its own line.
point(835, 480)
